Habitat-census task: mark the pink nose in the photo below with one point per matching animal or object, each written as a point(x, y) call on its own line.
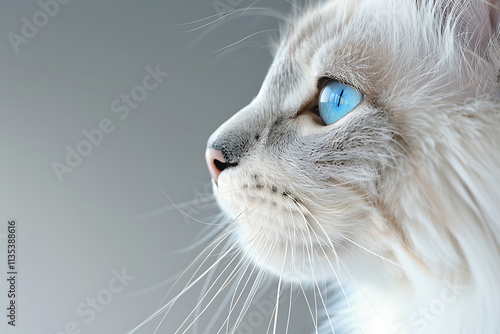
point(215, 162)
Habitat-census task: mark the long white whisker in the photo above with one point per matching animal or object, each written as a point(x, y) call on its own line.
point(241, 46)
point(366, 297)
point(327, 257)
point(245, 11)
point(279, 288)
point(314, 276)
point(206, 234)
point(289, 309)
point(249, 299)
point(225, 302)
point(168, 305)
point(253, 291)
point(204, 289)
point(167, 208)
point(339, 260)
point(230, 277)
point(305, 244)
point(184, 213)
point(369, 251)
point(226, 12)
point(244, 38)
point(241, 293)
point(233, 303)
point(235, 290)
point(186, 288)
point(219, 239)
point(153, 287)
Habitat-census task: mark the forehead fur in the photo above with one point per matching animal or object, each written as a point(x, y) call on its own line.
point(417, 52)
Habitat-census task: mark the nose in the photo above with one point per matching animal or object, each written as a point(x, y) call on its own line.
point(216, 162)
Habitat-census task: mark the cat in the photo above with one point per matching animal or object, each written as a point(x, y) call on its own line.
point(371, 157)
point(369, 163)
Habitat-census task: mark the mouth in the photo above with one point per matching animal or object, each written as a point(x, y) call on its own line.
point(262, 208)
point(282, 228)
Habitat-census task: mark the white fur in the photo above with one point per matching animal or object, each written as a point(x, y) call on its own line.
point(412, 174)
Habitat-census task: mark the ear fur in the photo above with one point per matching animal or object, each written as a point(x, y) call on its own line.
point(481, 17)
point(494, 9)
point(492, 40)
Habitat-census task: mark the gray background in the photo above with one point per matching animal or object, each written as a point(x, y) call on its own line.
point(101, 217)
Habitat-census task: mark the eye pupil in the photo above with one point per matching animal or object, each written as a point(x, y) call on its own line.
point(336, 100)
point(340, 98)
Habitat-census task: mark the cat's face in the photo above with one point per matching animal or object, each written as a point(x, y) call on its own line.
point(299, 189)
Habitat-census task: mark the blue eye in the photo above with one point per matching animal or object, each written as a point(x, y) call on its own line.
point(336, 100)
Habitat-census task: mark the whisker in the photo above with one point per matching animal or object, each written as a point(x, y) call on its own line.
point(202, 19)
point(237, 47)
point(207, 233)
point(232, 305)
point(328, 259)
point(242, 275)
point(225, 302)
point(373, 253)
point(289, 309)
point(251, 295)
point(305, 245)
point(220, 17)
point(152, 288)
point(247, 261)
point(366, 297)
point(170, 304)
point(314, 276)
point(219, 238)
point(176, 206)
point(234, 302)
point(204, 289)
point(184, 213)
point(263, 11)
point(279, 289)
point(339, 260)
point(244, 38)
point(228, 279)
point(249, 299)
point(166, 307)
point(164, 209)
point(188, 285)
point(238, 62)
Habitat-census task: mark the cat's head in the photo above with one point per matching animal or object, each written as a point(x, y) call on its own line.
point(333, 154)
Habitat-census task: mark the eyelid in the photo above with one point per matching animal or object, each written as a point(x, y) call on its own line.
point(313, 102)
point(322, 81)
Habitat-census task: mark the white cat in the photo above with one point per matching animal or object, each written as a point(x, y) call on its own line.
point(371, 158)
